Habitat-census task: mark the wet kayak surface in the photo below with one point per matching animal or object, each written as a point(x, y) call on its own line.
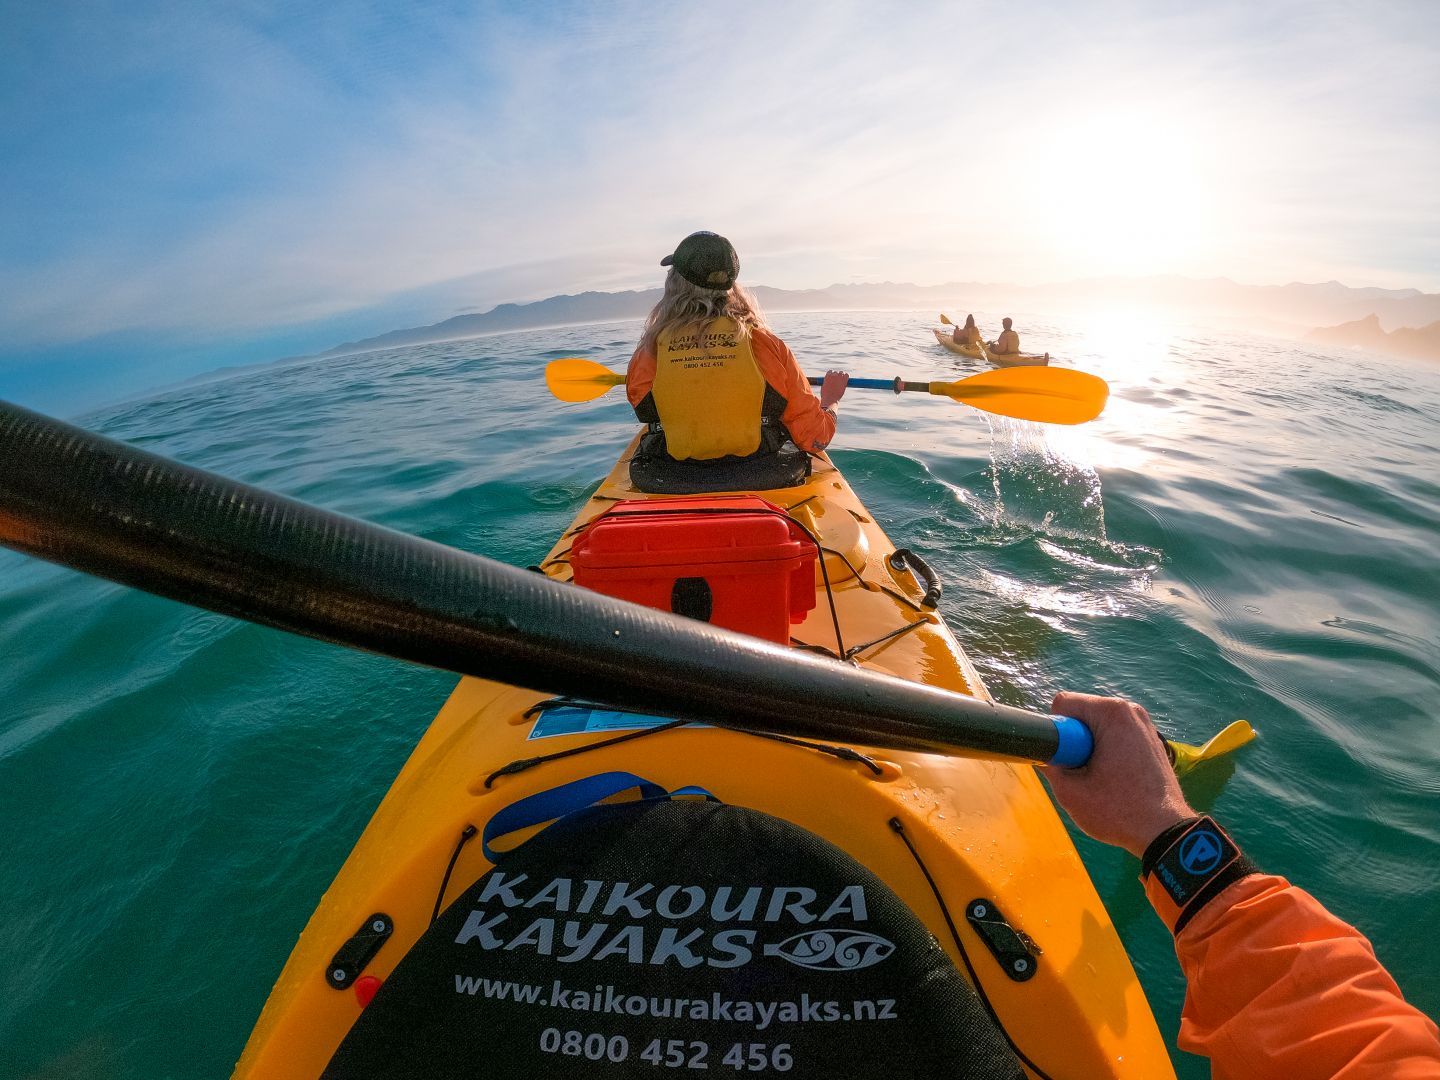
point(1248, 531)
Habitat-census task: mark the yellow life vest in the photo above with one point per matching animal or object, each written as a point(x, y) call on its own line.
point(708, 391)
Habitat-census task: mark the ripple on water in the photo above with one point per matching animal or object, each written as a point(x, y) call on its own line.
point(1103, 556)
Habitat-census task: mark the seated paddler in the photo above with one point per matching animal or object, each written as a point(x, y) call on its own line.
point(1008, 343)
point(727, 405)
point(969, 334)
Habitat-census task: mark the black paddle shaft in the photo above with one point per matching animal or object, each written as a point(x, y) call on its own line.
point(94, 504)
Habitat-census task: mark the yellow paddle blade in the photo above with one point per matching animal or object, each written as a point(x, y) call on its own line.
point(577, 379)
point(1233, 737)
point(946, 319)
point(1046, 395)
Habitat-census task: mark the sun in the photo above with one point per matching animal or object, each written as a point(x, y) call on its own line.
point(1121, 192)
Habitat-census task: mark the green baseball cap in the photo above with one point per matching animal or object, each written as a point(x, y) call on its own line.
point(705, 259)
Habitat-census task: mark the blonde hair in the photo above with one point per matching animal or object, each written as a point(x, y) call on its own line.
point(684, 305)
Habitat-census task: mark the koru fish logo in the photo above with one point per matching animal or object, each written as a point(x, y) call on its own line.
point(832, 950)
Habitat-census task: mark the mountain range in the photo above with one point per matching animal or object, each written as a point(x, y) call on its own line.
point(1367, 333)
point(1286, 310)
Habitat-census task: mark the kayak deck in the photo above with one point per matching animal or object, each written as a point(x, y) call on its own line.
point(981, 828)
point(945, 338)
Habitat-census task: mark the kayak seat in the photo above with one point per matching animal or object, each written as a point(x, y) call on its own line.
point(655, 472)
point(682, 934)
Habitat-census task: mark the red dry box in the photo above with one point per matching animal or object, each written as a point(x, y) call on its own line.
point(732, 560)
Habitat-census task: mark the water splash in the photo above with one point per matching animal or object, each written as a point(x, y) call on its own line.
point(1035, 485)
point(1056, 501)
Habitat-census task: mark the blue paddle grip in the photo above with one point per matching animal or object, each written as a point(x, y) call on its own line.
point(1075, 744)
point(858, 384)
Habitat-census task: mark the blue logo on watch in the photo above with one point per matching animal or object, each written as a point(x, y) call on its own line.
point(1200, 852)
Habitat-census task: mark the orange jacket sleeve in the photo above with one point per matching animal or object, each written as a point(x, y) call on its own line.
point(639, 376)
point(810, 426)
point(1280, 989)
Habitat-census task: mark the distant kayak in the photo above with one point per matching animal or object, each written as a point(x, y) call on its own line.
point(972, 351)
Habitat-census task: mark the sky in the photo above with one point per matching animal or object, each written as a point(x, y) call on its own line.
point(188, 185)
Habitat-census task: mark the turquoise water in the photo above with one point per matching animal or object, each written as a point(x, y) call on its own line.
point(1250, 530)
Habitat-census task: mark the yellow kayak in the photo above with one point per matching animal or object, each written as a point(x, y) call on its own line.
point(708, 898)
point(944, 337)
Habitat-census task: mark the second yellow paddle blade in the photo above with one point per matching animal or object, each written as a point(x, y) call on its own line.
point(1231, 738)
point(1046, 395)
point(577, 379)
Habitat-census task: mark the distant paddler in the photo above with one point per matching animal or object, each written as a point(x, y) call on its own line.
point(969, 334)
point(1008, 343)
point(1005, 352)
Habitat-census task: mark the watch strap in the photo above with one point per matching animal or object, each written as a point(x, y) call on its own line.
point(1188, 865)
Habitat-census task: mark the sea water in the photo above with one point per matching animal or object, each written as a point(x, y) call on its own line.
point(1250, 530)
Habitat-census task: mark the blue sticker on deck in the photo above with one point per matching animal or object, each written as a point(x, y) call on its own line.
point(567, 720)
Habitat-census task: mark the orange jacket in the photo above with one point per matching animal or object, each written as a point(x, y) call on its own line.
point(811, 427)
point(1280, 988)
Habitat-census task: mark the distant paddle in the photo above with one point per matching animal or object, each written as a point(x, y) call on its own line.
point(1042, 394)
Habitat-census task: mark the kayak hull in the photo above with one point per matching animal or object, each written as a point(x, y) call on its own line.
point(999, 360)
point(984, 828)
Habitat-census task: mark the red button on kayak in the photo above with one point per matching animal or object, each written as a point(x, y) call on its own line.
point(365, 989)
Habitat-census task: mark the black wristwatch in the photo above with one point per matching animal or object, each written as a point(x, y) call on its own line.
point(1188, 865)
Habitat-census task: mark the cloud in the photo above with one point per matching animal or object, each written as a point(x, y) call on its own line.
point(273, 165)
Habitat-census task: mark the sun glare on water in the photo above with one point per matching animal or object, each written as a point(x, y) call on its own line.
point(1131, 349)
